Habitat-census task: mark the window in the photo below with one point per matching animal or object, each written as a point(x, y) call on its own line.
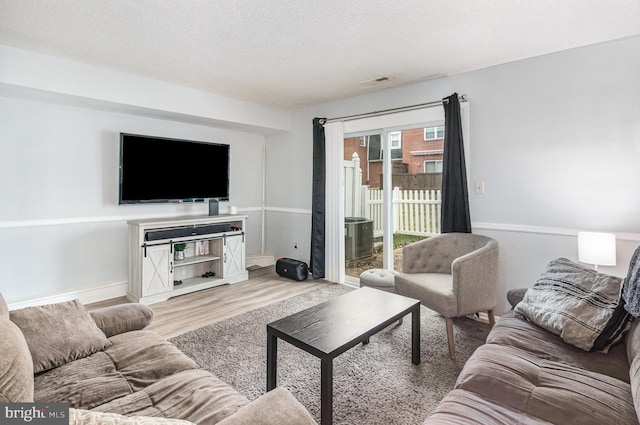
point(363, 141)
point(433, 166)
point(375, 147)
point(434, 133)
point(395, 139)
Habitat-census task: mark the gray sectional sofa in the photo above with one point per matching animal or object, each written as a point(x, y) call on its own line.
point(525, 374)
point(530, 370)
point(110, 369)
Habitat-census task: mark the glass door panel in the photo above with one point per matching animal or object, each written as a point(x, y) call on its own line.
point(363, 226)
point(396, 194)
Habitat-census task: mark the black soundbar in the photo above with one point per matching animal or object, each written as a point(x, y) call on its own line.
point(182, 232)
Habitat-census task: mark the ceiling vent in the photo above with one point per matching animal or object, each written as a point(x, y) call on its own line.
point(377, 80)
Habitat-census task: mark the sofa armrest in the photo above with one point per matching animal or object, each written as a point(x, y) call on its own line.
point(277, 407)
point(514, 296)
point(122, 318)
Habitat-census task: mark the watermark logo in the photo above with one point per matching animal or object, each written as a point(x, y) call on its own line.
point(34, 413)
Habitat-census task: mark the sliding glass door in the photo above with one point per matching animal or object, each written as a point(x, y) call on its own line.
point(392, 187)
point(397, 200)
point(363, 204)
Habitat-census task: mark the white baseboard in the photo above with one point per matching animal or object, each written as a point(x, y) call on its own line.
point(114, 290)
point(86, 296)
point(262, 260)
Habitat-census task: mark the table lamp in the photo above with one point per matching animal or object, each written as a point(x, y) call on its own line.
point(597, 248)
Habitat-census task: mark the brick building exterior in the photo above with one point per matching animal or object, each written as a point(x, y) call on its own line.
point(419, 150)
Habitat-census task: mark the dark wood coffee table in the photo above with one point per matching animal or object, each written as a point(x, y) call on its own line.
point(331, 328)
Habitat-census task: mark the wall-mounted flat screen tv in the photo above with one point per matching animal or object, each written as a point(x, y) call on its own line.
point(158, 169)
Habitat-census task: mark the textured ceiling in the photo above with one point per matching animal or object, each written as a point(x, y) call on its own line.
point(291, 53)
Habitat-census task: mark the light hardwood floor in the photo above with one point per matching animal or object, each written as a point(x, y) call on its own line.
point(195, 310)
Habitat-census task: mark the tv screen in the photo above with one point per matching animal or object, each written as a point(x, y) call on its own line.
point(156, 169)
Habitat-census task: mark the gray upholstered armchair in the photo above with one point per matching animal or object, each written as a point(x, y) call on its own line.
point(454, 274)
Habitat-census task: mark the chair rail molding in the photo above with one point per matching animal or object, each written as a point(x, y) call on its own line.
point(289, 210)
point(544, 230)
point(61, 221)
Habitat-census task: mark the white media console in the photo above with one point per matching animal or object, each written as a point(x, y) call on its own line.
point(215, 255)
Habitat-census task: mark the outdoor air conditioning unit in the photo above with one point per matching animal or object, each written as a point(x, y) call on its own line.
point(358, 238)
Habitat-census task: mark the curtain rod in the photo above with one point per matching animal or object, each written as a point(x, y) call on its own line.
point(462, 98)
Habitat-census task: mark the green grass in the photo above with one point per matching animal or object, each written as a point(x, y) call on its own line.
point(400, 240)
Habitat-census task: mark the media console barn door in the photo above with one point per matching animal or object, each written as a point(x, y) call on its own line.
point(234, 255)
point(214, 255)
point(157, 273)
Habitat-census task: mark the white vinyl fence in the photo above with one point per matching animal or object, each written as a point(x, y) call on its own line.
point(353, 187)
point(415, 212)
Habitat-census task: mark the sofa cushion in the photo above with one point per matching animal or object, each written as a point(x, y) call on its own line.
point(577, 303)
point(122, 318)
point(134, 361)
point(632, 342)
point(84, 383)
point(193, 395)
point(434, 290)
point(281, 405)
point(549, 390)
point(465, 407)
point(634, 376)
point(58, 333)
point(524, 335)
point(142, 357)
point(16, 366)
point(140, 374)
point(87, 417)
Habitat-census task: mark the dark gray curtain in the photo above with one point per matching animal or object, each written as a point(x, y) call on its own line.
point(316, 262)
point(455, 198)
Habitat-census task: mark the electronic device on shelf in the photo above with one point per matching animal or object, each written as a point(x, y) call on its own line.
point(159, 169)
point(184, 231)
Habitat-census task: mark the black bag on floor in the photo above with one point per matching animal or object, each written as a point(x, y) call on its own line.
point(293, 269)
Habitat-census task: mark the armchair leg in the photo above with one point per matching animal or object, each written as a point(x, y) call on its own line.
point(492, 318)
point(450, 338)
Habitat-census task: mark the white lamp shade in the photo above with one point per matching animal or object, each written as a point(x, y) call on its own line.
point(597, 248)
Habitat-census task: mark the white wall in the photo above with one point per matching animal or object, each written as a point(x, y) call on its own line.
point(61, 227)
point(62, 233)
point(556, 139)
point(25, 72)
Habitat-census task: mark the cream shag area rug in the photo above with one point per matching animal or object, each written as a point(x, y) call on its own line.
point(372, 384)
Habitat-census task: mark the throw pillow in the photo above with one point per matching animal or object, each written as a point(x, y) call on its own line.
point(87, 417)
point(580, 305)
point(58, 333)
point(16, 367)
